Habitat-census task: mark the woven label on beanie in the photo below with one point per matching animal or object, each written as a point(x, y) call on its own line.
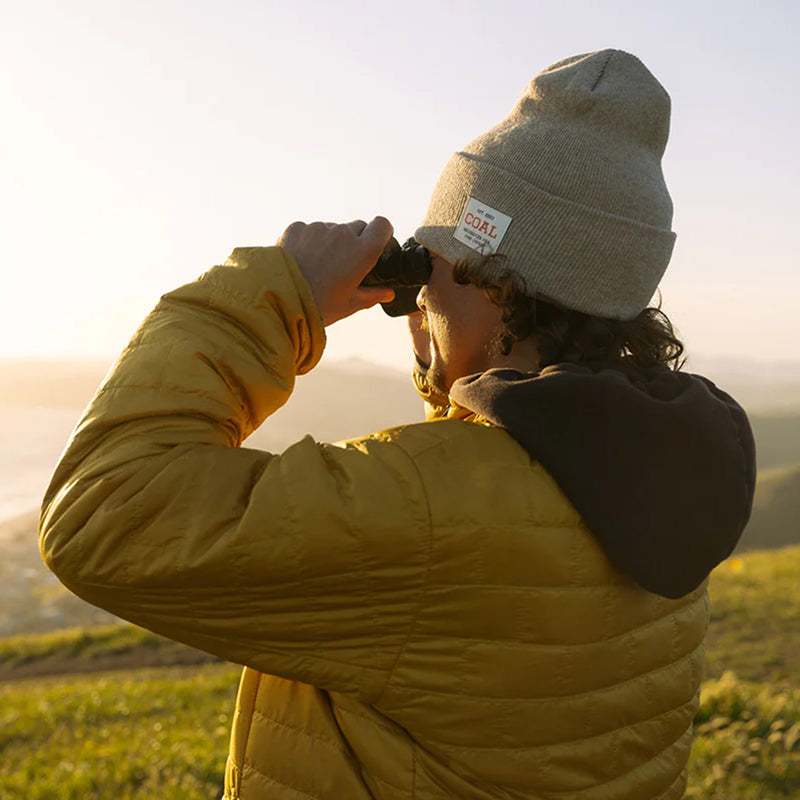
point(481, 227)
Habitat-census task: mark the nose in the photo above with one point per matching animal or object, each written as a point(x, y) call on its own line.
point(421, 295)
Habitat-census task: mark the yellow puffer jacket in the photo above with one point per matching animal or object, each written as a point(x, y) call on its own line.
point(421, 612)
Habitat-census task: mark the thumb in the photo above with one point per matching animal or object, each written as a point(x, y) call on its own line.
point(368, 296)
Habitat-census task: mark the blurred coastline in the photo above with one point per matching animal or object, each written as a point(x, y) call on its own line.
point(33, 437)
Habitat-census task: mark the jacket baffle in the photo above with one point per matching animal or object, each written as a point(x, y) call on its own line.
point(421, 613)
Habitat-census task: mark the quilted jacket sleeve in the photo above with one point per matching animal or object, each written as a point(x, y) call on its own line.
point(307, 564)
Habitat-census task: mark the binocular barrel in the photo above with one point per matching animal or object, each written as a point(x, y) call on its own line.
point(405, 269)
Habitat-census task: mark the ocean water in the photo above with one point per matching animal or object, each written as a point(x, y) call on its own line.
point(31, 440)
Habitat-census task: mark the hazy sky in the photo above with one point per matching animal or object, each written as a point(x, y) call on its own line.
point(142, 141)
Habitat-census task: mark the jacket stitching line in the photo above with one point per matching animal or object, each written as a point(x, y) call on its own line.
point(568, 742)
point(242, 590)
point(203, 306)
point(426, 580)
point(264, 650)
point(245, 716)
point(367, 571)
point(248, 767)
point(413, 769)
point(231, 326)
point(394, 788)
point(624, 775)
point(242, 335)
point(376, 723)
point(475, 784)
point(349, 752)
point(562, 587)
point(327, 742)
point(572, 696)
point(680, 779)
point(545, 645)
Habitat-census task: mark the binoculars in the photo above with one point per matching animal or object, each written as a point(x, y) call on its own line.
point(405, 269)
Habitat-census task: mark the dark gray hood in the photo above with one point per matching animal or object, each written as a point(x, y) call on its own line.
point(660, 464)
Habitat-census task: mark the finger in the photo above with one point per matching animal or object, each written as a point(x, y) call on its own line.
point(357, 226)
point(378, 231)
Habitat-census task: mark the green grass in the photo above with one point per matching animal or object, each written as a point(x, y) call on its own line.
point(755, 617)
point(164, 734)
point(140, 734)
point(747, 742)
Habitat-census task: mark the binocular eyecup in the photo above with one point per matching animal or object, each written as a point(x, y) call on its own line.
point(405, 269)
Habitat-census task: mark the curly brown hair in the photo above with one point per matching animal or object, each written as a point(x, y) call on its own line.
point(566, 335)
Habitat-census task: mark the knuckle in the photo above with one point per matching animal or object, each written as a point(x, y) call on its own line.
point(342, 232)
point(291, 233)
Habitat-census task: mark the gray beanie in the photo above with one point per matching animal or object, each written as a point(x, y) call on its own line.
point(568, 188)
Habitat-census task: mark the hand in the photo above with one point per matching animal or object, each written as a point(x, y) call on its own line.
point(334, 259)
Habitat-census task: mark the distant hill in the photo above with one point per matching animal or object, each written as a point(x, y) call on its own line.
point(776, 510)
point(777, 439)
point(341, 402)
point(51, 383)
point(758, 386)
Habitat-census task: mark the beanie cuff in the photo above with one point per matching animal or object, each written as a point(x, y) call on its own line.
point(584, 258)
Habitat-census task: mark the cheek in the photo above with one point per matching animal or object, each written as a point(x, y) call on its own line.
point(462, 320)
point(476, 319)
point(460, 342)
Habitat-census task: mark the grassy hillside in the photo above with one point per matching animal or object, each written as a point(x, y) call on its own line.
point(747, 742)
point(755, 618)
point(113, 647)
point(148, 733)
point(139, 734)
point(31, 598)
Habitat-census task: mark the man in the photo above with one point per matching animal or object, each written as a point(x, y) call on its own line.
point(508, 600)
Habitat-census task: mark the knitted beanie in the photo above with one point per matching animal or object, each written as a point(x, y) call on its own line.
point(568, 188)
